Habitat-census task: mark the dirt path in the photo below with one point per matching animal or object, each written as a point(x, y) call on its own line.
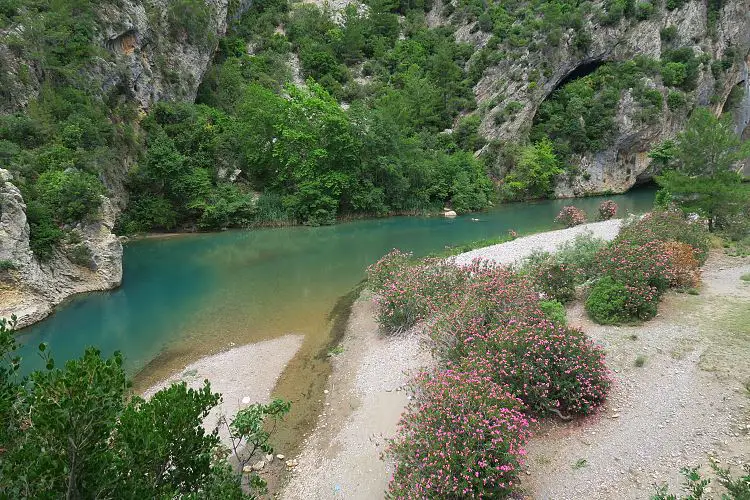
point(691, 398)
point(341, 458)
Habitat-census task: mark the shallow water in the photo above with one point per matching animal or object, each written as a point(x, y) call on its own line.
point(188, 296)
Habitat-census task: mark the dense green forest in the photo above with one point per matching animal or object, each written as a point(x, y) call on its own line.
point(386, 121)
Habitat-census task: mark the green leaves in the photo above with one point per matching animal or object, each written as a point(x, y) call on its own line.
point(71, 433)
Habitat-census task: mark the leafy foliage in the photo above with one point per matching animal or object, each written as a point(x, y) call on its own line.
point(535, 171)
point(76, 432)
point(704, 179)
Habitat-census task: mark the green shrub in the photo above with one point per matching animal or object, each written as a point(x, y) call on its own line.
point(613, 302)
point(71, 196)
point(579, 255)
point(555, 311)
point(44, 232)
point(669, 33)
point(674, 74)
point(8, 265)
point(676, 100)
point(81, 255)
point(534, 173)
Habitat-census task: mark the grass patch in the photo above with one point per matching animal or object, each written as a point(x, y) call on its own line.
point(451, 250)
point(580, 463)
point(640, 360)
point(745, 277)
point(336, 351)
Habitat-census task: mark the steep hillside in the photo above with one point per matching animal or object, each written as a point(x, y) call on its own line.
point(76, 76)
point(157, 115)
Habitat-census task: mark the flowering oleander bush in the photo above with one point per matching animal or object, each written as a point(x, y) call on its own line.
point(413, 293)
point(571, 216)
point(635, 263)
point(556, 281)
point(504, 352)
point(667, 226)
point(461, 437)
point(550, 367)
point(386, 268)
point(494, 296)
point(613, 302)
point(607, 210)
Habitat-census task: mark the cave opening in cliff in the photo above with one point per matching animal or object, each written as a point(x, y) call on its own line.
point(583, 69)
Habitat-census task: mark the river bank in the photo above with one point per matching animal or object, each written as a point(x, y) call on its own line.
point(642, 437)
point(364, 395)
point(242, 375)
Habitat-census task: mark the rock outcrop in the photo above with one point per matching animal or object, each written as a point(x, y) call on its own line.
point(526, 80)
point(30, 288)
point(147, 56)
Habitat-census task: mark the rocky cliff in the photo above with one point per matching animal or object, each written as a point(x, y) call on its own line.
point(90, 260)
point(146, 53)
point(524, 81)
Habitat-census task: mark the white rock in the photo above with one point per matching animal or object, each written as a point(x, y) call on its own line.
point(269, 458)
point(450, 213)
point(246, 400)
point(259, 465)
point(280, 456)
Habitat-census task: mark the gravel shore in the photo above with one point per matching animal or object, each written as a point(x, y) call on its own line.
point(512, 251)
point(243, 375)
point(342, 457)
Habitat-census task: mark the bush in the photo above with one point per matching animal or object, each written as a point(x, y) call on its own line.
point(556, 281)
point(571, 216)
point(676, 100)
point(667, 225)
point(386, 269)
point(612, 302)
point(673, 74)
point(415, 293)
point(637, 263)
point(8, 265)
point(461, 437)
point(72, 195)
point(607, 210)
point(551, 368)
point(684, 263)
point(555, 311)
point(579, 255)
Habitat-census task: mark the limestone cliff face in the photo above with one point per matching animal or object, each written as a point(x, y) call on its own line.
point(146, 58)
point(93, 261)
point(531, 78)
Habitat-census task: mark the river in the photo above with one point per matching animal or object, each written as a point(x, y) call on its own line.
point(188, 296)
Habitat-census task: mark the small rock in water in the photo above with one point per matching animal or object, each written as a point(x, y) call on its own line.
point(450, 213)
point(246, 400)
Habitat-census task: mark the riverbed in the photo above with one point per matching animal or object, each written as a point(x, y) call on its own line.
point(190, 296)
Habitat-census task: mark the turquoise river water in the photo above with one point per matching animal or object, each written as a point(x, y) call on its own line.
point(188, 296)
